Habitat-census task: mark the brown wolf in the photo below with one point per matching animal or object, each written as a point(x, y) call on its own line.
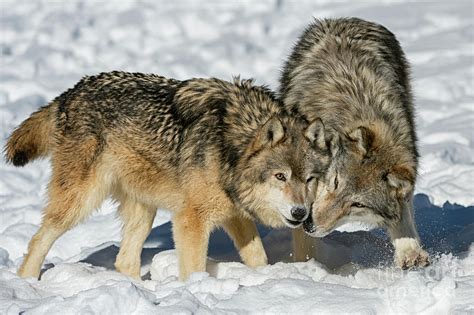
point(354, 75)
point(214, 152)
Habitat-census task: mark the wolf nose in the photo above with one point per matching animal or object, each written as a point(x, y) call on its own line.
point(298, 213)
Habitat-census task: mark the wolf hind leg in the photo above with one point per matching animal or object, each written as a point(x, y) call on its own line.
point(66, 208)
point(137, 222)
point(38, 247)
point(405, 239)
point(246, 239)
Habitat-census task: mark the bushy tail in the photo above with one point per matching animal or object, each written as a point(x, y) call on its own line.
point(33, 138)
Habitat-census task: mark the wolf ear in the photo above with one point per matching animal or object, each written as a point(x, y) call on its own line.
point(270, 134)
point(363, 138)
point(401, 178)
point(316, 133)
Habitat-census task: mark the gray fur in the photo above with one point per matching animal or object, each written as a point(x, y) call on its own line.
point(354, 75)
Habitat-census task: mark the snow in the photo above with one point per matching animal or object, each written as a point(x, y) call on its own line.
point(46, 46)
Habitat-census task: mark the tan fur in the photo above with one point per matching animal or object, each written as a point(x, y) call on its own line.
point(200, 208)
point(32, 138)
point(137, 222)
point(243, 232)
point(204, 148)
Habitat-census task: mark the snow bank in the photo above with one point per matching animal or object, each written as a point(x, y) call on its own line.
point(232, 287)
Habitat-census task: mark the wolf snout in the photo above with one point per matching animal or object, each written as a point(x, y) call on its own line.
point(312, 229)
point(299, 213)
point(308, 225)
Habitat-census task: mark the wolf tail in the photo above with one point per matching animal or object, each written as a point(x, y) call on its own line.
point(33, 138)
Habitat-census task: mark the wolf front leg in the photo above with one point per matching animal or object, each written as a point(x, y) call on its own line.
point(303, 245)
point(191, 237)
point(243, 232)
point(405, 239)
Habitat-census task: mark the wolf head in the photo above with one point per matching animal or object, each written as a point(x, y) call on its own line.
point(370, 179)
point(280, 170)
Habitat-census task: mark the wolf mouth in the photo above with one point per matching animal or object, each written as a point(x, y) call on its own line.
point(293, 223)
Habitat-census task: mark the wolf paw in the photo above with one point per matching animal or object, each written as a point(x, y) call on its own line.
point(409, 254)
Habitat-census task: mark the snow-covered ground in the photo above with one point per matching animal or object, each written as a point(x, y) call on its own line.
point(46, 46)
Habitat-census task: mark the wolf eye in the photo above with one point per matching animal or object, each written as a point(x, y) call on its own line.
point(309, 179)
point(280, 176)
point(358, 205)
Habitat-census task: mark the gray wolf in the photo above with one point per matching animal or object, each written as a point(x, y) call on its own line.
point(354, 75)
point(217, 153)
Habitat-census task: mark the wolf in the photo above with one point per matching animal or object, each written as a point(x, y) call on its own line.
point(354, 75)
point(216, 153)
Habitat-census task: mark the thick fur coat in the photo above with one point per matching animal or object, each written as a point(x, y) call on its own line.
point(217, 153)
point(354, 75)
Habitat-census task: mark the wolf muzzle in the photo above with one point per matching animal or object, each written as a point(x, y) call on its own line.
point(299, 213)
